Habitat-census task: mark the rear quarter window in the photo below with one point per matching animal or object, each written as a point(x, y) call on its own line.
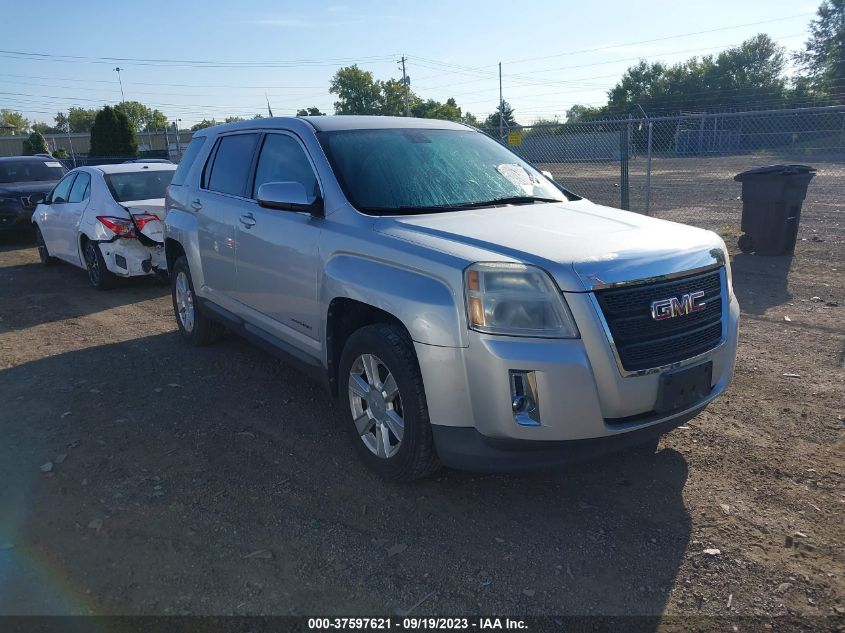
point(188, 159)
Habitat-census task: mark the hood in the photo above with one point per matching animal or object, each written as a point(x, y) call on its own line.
point(24, 188)
point(581, 244)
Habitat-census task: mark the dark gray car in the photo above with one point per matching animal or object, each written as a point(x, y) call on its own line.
point(20, 178)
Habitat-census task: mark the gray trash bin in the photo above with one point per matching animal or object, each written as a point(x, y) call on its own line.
point(772, 197)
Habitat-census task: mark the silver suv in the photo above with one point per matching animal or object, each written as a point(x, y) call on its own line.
point(468, 310)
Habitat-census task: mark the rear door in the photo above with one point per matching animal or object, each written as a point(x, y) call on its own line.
point(67, 238)
point(277, 250)
point(219, 203)
point(50, 215)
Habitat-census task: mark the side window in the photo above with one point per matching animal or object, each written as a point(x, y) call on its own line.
point(79, 191)
point(282, 159)
point(232, 163)
point(188, 159)
point(60, 193)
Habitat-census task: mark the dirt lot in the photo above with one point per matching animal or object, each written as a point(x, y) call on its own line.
point(217, 480)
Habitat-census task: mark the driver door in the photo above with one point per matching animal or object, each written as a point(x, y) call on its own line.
point(49, 214)
point(277, 258)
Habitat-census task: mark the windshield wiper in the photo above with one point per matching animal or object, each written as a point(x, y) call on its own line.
point(509, 200)
point(442, 208)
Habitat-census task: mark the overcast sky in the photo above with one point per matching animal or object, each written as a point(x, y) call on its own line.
point(226, 55)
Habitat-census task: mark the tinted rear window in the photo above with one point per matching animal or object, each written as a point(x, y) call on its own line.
point(188, 159)
point(138, 185)
point(30, 170)
point(232, 162)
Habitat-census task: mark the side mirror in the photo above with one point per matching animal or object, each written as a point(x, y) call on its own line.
point(37, 198)
point(547, 174)
point(289, 196)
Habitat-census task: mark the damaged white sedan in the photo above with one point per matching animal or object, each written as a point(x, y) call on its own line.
point(106, 219)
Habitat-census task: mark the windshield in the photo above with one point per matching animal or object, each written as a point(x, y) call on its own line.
point(389, 171)
point(139, 185)
point(30, 170)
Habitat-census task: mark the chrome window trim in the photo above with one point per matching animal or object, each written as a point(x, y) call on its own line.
point(681, 363)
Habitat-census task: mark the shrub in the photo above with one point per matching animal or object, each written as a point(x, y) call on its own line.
point(112, 134)
point(35, 144)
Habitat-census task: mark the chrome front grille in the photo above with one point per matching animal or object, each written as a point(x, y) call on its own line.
point(644, 343)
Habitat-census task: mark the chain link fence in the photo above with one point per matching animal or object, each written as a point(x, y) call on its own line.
point(681, 168)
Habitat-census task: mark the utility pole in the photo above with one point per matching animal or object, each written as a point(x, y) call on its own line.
point(120, 81)
point(501, 105)
point(178, 149)
point(405, 82)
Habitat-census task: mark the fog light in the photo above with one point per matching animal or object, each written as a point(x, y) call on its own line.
point(525, 402)
point(120, 260)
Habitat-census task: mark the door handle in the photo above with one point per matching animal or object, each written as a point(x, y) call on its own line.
point(196, 205)
point(248, 220)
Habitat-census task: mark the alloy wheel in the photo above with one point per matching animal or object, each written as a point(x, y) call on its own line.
point(92, 264)
point(376, 406)
point(184, 301)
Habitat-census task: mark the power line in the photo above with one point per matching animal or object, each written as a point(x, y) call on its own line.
point(191, 62)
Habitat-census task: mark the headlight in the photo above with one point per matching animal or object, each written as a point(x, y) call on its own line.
point(724, 257)
point(516, 300)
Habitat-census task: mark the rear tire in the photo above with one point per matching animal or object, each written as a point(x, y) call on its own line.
point(43, 253)
point(194, 326)
point(388, 421)
point(745, 243)
point(99, 276)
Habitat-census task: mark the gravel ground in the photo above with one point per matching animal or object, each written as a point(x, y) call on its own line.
point(141, 476)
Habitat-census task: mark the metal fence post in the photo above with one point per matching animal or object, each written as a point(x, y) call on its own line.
point(623, 166)
point(648, 172)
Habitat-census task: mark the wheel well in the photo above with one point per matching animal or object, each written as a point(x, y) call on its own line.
point(172, 251)
point(345, 317)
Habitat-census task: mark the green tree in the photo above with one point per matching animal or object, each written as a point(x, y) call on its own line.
point(35, 144)
point(142, 117)
point(746, 75)
point(80, 119)
point(432, 109)
point(357, 92)
point(233, 119)
point(12, 123)
point(61, 122)
point(823, 56)
point(42, 128)
point(505, 111)
point(312, 111)
point(578, 113)
point(470, 119)
point(112, 134)
point(203, 124)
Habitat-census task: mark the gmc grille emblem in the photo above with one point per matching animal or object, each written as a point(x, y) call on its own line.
point(663, 309)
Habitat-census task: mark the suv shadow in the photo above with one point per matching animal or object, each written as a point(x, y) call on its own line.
point(238, 472)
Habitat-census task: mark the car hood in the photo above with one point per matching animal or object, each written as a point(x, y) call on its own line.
point(581, 244)
point(24, 188)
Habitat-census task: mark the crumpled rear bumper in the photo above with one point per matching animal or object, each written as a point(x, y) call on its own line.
point(130, 258)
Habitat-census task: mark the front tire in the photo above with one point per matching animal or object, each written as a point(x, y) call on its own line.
point(99, 276)
point(43, 253)
point(194, 326)
point(381, 383)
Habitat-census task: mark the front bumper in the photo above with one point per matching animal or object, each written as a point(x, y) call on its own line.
point(466, 449)
point(586, 402)
point(15, 217)
point(130, 258)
